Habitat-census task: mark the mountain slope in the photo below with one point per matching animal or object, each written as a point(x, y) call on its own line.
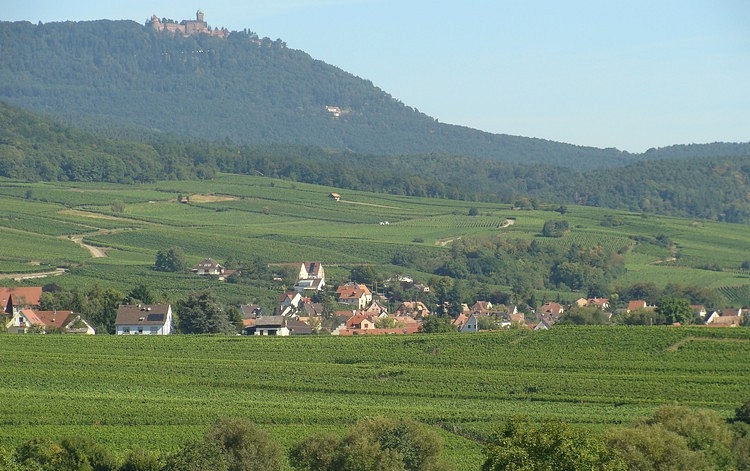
point(111, 75)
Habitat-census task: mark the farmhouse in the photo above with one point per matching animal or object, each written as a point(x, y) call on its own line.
point(44, 322)
point(144, 319)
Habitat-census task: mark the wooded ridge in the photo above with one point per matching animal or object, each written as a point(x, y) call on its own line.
point(124, 79)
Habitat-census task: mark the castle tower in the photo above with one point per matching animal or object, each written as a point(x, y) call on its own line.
point(199, 16)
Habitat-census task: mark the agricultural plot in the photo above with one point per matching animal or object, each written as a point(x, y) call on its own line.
point(279, 221)
point(158, 392)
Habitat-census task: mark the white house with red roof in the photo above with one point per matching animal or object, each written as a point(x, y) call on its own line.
point(44, 322)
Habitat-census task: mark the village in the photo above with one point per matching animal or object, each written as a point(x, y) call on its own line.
point(358, 312)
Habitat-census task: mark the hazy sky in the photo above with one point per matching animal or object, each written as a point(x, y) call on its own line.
point(628, 74)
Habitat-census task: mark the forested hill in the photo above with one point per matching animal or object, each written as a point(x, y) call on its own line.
point(36, 148)
point(118, 76)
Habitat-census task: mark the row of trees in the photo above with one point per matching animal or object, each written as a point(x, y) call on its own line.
point(200, 313)
point(673, 438)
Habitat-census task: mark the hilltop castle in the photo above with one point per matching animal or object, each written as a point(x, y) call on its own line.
point(188, 27)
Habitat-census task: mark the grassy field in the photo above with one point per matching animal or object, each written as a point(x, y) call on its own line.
point(157, 393)
point(291, 222)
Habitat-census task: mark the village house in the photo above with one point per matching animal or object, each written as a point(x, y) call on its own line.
point(312, 270)
point(309, 285)
point(471, 324)
point(481, 307)
point(208, 266)
point(460, 321)
point(360, 323)
point(289, 303)
point(144, 319)
point(636, 304)
point(271, 325)
point(415, 309)
point(728, 317)
point(552, 308)
point(43, 322)
point(601, 303)
point(356, 295)
point(16, 298)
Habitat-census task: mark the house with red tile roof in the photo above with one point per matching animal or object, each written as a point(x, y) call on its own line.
point(635, 304)
point(356, 295)
point(44, 322)
point(16, 298)
point(415, 309)
point(555, 309)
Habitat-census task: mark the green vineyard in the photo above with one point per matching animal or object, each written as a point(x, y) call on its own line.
point(156, 393)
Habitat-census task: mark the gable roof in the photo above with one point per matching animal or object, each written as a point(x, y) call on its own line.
point(57, 319)
point(269, 321)
point(413, 307)
point(61, 320)
point(311, 270)
point(356, 320)
point(21, 296)
point(552, 308)
point(208, 263)
point(634, 304)
point(250, 311)
point(143, 314)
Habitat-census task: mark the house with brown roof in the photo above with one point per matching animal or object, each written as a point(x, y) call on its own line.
point(356, 295)
point(144, 319)
point(362, 324)
point(636, 304)
point(482, 307)
point(601, 303)
point(415, 309)
point(44, 322)
point(555, 309)
point(460, 321)
point(728, 317)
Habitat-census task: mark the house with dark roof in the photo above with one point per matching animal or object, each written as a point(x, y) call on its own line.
point(271, 325)
point(44, 322)
point(208, 266)
point(309, 285)
point(310, 270)
point(144, 319)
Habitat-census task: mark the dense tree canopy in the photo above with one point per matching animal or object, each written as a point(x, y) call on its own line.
point(524, 446)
